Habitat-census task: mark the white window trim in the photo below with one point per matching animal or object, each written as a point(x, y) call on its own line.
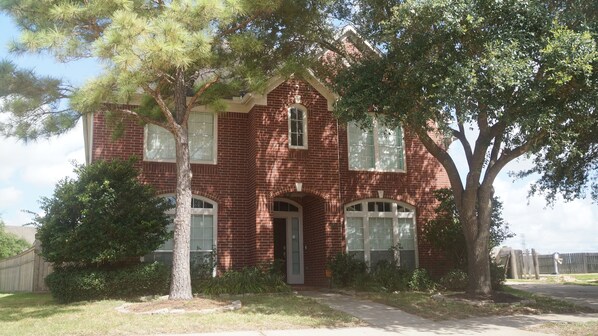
point(394, 214)
point(194, 211)
point(304, 109)
point(215, 145)
point(377, 151)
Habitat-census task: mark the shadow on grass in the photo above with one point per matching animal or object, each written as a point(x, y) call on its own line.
point(21, 306)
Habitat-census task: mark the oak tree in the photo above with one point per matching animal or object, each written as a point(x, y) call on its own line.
point(522, 74)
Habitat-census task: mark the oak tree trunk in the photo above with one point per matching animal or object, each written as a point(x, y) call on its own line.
point(475, 217)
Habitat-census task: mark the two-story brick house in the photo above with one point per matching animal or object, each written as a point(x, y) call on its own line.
point(276, 176)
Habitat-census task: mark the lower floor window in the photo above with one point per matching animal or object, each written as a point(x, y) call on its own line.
point(379, 230)
point(203, 234)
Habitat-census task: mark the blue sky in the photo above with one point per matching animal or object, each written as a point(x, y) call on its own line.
point(30, 171)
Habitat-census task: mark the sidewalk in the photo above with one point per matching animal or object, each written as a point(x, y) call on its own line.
point(386, 321)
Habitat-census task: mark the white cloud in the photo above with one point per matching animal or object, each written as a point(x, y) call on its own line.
point(43, 162)
point(10, 195)
point(565, 227)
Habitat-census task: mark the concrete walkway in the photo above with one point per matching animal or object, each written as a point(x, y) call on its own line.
point(386, 321)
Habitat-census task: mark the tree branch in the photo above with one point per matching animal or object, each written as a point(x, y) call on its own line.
point(508, 156)
point(444, 158)
point(198, 94)
point(165, 110)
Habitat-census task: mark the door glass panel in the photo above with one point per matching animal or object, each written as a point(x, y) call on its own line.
point(296, 263)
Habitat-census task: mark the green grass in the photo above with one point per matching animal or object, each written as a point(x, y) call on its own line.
point(39, 314)
point(423, 305)
point(585, 279)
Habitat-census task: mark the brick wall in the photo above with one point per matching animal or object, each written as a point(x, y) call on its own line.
point(256, 165)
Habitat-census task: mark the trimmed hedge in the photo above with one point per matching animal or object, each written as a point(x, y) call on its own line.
point(70, 284)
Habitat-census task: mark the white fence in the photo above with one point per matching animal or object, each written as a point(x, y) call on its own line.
point(24, 272)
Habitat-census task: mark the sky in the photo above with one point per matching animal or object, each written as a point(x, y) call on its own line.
point(30, 171)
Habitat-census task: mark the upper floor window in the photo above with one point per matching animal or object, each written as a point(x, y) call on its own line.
point(378, 149)
point(297, 127)
point(159, 143)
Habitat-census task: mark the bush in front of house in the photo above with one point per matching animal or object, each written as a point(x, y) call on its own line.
point(420, 280)
point(71, 284)
point(454, 280)
point(246, 280)
point(102, 216)
point(390, 277)
point(347, 270)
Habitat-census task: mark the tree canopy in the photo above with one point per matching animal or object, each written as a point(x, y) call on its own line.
point(521, 73)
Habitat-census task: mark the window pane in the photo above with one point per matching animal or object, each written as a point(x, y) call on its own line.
point(355, 207)
point(169, 244)
point(407, 259)
point(355, 233)
point(201, 136)
point(160, 144)
point(297, 127)
point(406, 236)
point(390, 146)
point(377, 256)
point(202, 232)
point(361, 148)
point(380, 233)
point(295, 248)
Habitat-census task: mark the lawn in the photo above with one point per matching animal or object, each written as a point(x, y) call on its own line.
point(584, 279)
point(39, 314)
point(424, 305)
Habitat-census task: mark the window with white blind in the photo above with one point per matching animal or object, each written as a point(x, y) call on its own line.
point(159, 143)
point(297, 127)
point(374, 227)
point(203, 231)
point(377, 149)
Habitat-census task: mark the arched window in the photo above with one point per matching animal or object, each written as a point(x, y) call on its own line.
point(203, 231)
point(297, 126)
point(378, 229)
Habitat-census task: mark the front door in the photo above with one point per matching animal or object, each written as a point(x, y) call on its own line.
point(288, 240)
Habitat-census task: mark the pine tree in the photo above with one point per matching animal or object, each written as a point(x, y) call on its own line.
point(161, 59)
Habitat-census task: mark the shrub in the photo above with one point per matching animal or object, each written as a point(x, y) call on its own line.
point(389, 276)
point(420, 280)
point(70, 284)
point(102, 216)
point(247, 280)
point(455, 280)
point(346, 269)
point(497, 275)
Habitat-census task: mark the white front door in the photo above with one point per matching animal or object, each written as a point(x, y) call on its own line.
point(290, 217)
point(294, 251)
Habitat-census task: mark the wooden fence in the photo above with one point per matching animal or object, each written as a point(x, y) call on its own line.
point(24, 272)
point(570, 263)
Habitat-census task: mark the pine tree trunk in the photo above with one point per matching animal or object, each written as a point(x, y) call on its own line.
point(180, 285)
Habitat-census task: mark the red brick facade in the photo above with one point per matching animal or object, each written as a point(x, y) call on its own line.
point(255, 165)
